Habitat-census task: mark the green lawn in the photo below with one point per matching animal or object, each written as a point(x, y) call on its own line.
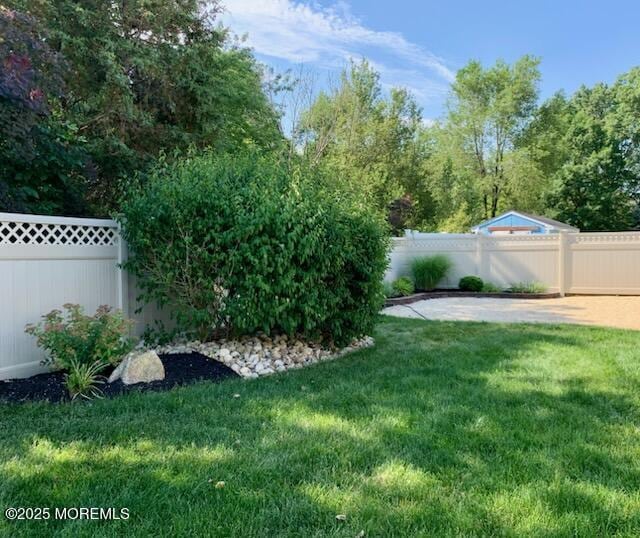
point(441, 429)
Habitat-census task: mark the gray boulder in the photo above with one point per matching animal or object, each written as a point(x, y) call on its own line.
point(139, 367)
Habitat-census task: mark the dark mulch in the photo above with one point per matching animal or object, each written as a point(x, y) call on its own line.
point(179, 369)
point(440, 294)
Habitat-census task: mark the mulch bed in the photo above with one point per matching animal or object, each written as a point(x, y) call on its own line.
point(440, 294)
point(179, 369)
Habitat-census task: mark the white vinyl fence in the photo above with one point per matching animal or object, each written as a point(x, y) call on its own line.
point(46, 262)
point(605, 263)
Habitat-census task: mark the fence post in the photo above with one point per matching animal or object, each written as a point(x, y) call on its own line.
point(563, 244)
point(122, 276)
point(480, 269)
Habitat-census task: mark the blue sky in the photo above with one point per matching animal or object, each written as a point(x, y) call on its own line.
point(420, 45)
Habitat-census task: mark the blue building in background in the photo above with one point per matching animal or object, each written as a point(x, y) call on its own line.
point(519, 223)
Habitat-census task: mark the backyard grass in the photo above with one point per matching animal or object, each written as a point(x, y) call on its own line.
point(441, 429)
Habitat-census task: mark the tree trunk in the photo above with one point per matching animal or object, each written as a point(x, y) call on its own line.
point(495, 193)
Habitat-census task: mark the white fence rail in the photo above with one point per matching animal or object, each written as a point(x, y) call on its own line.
point(46, 262)
point(605, 263)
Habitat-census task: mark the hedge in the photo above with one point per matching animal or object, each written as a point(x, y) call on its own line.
point(239, 244)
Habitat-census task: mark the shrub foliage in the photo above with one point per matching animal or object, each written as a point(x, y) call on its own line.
point(403, 286)
point(527, 287)
point(245, 243)
point(489, 287)
point(428, 271)
point(72, 337)
point(471, 283)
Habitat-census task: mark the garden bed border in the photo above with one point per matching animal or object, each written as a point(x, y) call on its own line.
point(393, 301)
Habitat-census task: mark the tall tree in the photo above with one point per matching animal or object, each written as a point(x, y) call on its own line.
point(596, 187)
point(370, 138)
point(588, 145)
point(489, 109)
point(450, 178)
point(625, 122)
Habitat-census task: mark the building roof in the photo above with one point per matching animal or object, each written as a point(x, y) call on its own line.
point(545, 221)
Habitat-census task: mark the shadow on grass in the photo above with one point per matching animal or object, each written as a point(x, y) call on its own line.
point(443, 428)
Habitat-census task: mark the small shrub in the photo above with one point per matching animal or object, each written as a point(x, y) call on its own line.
point(527, 287)
point(388, 290)
point(403, 286)
point(71, 337)
point(429, 271)
point(471, 283)
point(245, 243)
point(488, 287)
point(83, 379)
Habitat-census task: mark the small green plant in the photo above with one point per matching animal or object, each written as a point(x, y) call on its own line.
point(471, 283)
point(429, 271)
point(388, 290)
point(489, 287)
point(72, 337)
point(83, 379)
point(403, 286)
point(527, 287)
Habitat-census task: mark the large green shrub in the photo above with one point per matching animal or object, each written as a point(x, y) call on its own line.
point(247, 243)
point(428, 271)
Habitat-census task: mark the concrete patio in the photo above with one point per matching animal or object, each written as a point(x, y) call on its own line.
point(608, 311)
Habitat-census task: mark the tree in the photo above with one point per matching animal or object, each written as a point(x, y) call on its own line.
point(597, 187)
point(151, 76)
point(42, 163)
point(588, 148)
point(624, 122)
point(489, 109)
point(368, 138)
point(450, 180)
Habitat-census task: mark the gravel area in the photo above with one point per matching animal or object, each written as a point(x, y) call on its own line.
point(251, 357)
point(607, 311)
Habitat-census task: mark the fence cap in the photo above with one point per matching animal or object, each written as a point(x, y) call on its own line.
point(49, 219)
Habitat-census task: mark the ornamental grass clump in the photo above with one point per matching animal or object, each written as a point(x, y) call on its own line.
point(403, 286)
point(83, 380)
point(237, 244)
point(429, 271)
point(527, 287)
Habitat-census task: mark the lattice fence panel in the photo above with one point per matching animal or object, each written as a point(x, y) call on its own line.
point(36, 233)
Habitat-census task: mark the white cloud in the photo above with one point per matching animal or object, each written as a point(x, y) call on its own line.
point(328, 37)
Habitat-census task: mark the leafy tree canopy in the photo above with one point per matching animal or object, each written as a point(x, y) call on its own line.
point(371, 140)
point(589, 146)
point(143, 77)
point(489, 108)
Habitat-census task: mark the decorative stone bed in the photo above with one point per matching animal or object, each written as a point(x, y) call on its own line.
point(251, 357)
point(440, 294)
point(188, 363)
